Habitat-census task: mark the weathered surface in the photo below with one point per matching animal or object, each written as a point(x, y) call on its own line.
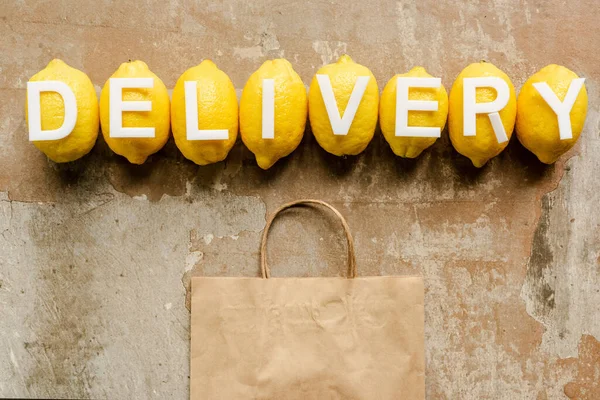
point(96, 256)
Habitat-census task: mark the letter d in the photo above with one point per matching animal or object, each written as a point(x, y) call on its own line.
point(34, 110)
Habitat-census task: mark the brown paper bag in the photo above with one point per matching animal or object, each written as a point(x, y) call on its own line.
point(307, 338)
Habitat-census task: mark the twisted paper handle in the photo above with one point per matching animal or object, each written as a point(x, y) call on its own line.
point(266, 272)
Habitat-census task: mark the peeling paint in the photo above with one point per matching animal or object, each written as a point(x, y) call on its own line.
point(539, 282)
point(251, 53)
point(329, 51)
point(586, 384)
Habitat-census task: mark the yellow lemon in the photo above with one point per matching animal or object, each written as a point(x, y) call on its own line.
point(484, 145)
point(343, 75)
point(537, 124)
point(411, 147)
point(83, 136)
point(217, 109)
point(290, 112)
point(137, 150)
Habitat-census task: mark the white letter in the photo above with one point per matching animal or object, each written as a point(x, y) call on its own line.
point(562, 110)
point(191, 117)
point(117, 106)
point(341, 125)
point(268, 109)
point(471, 107)
point(403, 105)
point(34, 110)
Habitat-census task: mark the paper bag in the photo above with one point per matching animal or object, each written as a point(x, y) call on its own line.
point(307, 338)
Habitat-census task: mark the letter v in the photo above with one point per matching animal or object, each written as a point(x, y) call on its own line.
point(341, 125)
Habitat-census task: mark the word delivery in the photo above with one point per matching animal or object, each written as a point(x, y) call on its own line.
point(343, 106)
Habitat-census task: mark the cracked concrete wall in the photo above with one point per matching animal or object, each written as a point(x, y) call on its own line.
point(96, 255)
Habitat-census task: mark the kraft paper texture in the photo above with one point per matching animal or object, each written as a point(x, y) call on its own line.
point(307, 338)
point(355, 338)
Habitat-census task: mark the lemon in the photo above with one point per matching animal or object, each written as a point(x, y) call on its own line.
point(537, 123)
point(343, 75)
point(484, 145)
point(83, 136)
point(217, 109)
point(290, 112)
point(137, 150)
point(411, 147)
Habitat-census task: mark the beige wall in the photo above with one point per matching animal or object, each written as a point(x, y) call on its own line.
point(96, 255)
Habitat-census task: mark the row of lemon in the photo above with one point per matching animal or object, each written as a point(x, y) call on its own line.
point(536, 123)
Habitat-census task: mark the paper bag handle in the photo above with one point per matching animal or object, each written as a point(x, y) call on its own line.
point(266, 272)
